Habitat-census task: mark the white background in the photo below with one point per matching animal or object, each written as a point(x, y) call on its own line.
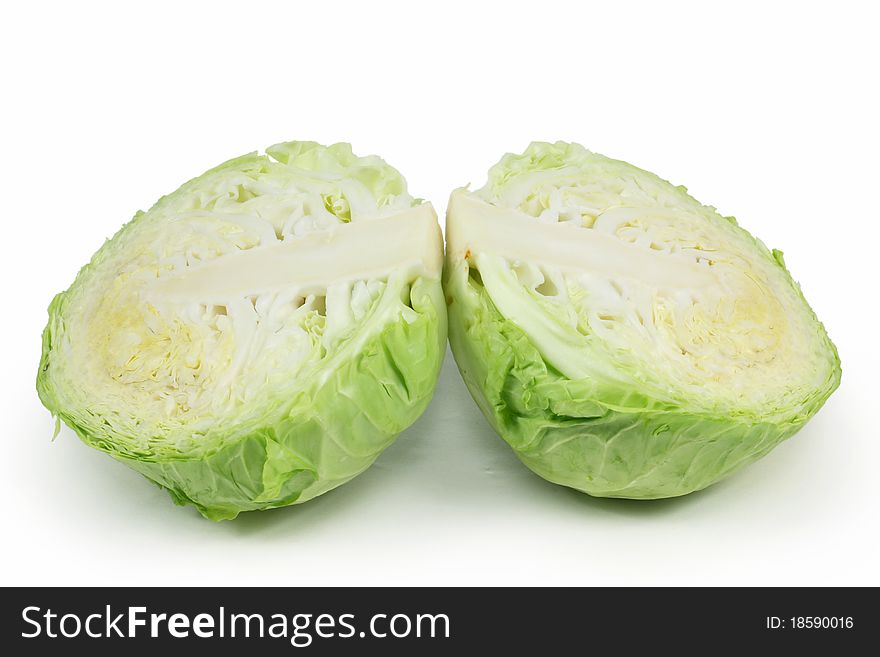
point(767, 111)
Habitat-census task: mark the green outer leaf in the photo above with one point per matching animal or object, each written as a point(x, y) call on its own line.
point(565, 432)
point(329, 434)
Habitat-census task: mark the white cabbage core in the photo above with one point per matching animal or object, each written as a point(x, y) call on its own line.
point(620, 277)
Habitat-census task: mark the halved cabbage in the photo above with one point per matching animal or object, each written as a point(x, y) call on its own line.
point(625, 340)
point(260, 335)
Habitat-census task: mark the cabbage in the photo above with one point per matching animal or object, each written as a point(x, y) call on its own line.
point(259, 336)
point(623, 339)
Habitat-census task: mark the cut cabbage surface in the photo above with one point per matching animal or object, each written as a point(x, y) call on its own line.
point(624, 339)
point(259, 336)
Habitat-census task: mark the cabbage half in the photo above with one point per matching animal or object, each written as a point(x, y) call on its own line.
point(625, 340)
point(260, 335)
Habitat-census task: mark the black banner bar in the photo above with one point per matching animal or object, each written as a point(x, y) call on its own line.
point(421, 621)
